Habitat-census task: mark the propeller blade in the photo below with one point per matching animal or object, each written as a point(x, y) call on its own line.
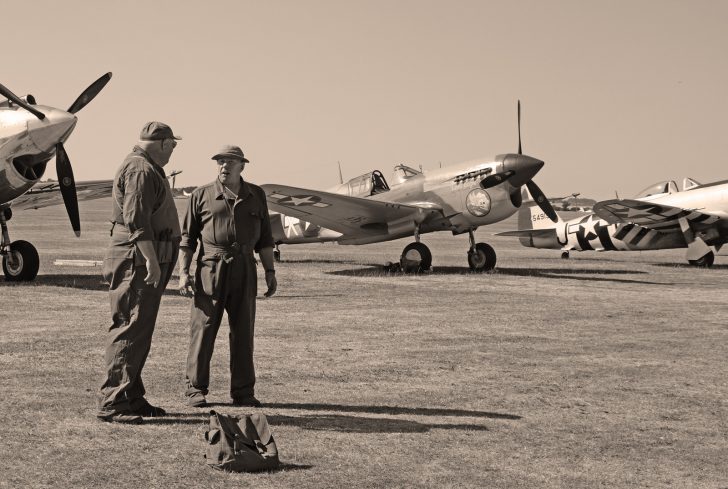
point(8, 94)
point(68, 187)
point(520, 152)
point(89, 94)
point(496, 178)
point(541, 200)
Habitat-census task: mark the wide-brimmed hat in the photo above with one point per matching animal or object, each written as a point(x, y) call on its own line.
point(232, 152)
point(154, 131)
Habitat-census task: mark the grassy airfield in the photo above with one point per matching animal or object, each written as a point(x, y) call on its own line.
point(605, 370)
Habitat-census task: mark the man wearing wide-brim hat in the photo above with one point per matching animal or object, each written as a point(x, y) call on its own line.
point(229, 219)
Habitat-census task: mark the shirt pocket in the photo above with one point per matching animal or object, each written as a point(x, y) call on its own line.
point(255, 217)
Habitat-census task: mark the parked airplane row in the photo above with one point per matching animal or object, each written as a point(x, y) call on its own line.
point(658, 218)
point(367, 209)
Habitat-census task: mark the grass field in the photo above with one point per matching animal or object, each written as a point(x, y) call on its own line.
point(605, 370)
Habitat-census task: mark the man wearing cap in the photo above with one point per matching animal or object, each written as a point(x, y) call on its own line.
point(229, 218)
point(145, 237)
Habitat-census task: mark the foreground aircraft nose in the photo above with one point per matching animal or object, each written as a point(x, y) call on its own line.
point(55, 128)
point(523, 167)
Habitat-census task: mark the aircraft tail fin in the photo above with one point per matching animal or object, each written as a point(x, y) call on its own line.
point(530, 216)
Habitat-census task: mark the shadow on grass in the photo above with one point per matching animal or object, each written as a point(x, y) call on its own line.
point(689, 266)
point(339, 422)
point(597, 274)
point(80, 281)
point(577, 274)
point(354, 424)
point(319, 260)
point(418, 411)
point(85, 282)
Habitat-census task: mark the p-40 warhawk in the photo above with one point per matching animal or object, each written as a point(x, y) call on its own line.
point(660, 217)
point(367, 209)
point(30, 135)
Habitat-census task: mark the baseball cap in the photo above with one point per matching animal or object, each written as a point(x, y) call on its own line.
point(154, 131)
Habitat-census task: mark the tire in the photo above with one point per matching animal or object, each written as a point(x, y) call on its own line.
point(564, 255)
point(706, 261)
point(26, 265)
point(416, 257)
point(483, 259)
point(276, 255)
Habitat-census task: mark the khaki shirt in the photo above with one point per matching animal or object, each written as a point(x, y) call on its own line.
point(217, 220)
point(143, 206)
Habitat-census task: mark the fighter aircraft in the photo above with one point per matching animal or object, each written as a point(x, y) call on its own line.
point(30, 135)
point(660, 217)
point(366, 209)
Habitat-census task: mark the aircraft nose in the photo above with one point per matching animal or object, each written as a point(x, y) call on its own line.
point(524, 168)
point(55, 128)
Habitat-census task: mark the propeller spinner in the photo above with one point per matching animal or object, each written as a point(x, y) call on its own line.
point(519, 170)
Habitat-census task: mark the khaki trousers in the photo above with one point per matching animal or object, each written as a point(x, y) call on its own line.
point(234, 290)
point(134, 308)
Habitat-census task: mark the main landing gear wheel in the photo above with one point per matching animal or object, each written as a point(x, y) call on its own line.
point(706, 261)
point(21, 263)
point(416, 257)
point(482, 259)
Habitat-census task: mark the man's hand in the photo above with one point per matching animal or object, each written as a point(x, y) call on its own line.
point(271, 282)
point(153, 273)
point(186, 284)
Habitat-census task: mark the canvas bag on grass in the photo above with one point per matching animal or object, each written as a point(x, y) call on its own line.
point(240, 444)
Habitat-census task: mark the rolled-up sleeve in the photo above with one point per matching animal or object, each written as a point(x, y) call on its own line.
point(139, 199)
point(191, 224)
point(266, 236)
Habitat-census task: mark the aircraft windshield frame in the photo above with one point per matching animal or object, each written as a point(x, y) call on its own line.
point(664, 187)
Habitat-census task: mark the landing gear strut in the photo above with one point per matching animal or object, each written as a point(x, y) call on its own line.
point(481, 256)
point(277, 254)
point(20, 258)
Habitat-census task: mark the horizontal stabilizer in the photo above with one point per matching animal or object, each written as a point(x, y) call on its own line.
point(530, 233)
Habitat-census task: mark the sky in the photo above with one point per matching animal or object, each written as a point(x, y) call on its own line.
point(615, 95)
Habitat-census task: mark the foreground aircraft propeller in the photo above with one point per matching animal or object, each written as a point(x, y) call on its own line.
point(519, 170)
point(63, 164)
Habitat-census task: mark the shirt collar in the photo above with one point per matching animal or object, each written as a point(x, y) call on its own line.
point(138, 150)
point(242, 194)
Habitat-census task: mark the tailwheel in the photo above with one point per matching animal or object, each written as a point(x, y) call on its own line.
point(564, 255)
point(706, 261)
point(277, 254)
point(416, 257)
point(482, 258)
point(21, 262)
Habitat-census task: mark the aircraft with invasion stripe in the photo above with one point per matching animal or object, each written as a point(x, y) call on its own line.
point(660, 217)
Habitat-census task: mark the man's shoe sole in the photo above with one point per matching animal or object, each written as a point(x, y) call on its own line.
point(197, 403)
point(122, 418)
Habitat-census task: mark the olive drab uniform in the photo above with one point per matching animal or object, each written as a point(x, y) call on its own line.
point(143, 209)
point(229, 229)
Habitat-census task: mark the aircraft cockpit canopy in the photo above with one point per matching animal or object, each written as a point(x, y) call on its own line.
point(666, 187)
point(368, 184)
point(402, 173)
point(27, 98)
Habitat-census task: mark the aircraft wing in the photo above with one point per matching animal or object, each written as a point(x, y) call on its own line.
point(651, 215)
point(45, 194)
point(351, 216)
